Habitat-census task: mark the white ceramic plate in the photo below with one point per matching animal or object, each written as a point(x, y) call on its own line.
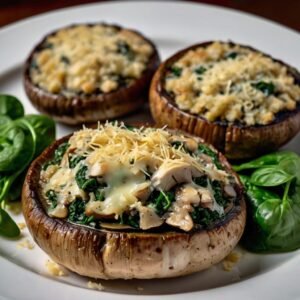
point(172, 26)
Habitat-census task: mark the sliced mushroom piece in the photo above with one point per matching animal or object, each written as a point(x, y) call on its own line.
point(95, 209)
point(98, 169)
point(206, 198)
point(143, 191)
point(180, 218)
point(60, 211)
point(114, 226)
point(191, 144)
point(188, 194)
point(173, 172)
point(148, 218)
point(230, 191)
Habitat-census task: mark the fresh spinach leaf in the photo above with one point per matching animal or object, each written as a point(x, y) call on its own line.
point(11, 107)
point(273, 210)
point(44, 128)
point(270, 176)
point(8, 227)
point(266, 160)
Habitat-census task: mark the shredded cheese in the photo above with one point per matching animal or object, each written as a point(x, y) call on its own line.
point(129, 165)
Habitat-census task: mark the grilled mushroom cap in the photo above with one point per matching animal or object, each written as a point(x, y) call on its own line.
point(236, 141)
point(111, 254)
point(84, 108)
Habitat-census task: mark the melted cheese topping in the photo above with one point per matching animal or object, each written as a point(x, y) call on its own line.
point(129, 165)
point(232, 84)
point(89, 59)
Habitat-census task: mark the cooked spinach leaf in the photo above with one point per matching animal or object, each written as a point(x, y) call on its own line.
point(175, 71)
point(84, 182)
point(52, 196)
point(99, 195)
point(268, 88)
point(74, 160)
point(65, 59)
point(218, 193)
point(161, 201)
point(201, 181)
point(131, 218)
point(125, 49)
point(58, 155)
point(200, 70)
point(231, 55)
point(77, 213)
point(209, 152)
point(204, 216)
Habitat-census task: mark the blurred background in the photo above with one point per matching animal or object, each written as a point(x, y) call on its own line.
point(286, 12)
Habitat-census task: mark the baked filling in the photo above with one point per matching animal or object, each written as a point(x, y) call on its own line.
point(89, 59)
point(121, 177)
point(231, 83)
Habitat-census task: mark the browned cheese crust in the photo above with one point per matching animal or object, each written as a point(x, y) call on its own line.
point(234, 140)
point(86, 108)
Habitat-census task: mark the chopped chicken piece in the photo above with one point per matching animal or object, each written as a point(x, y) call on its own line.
point(148, 218)
point(180, 218)
point(173, 172)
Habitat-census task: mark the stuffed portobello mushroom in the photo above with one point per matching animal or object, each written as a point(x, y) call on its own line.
point(237, 98)
point(123, 202)
point(90, 72)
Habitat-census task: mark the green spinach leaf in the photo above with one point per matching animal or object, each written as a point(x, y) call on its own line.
point(11, 107)
point(8, 227)
point(270, 176)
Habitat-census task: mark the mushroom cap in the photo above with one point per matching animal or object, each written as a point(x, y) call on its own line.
point(236, 141)
point(95, 107)
point(111, 254)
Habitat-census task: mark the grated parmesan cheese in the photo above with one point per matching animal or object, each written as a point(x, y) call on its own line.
point(231, 260)
point(224, 82)
point(55, 269)
point(21, 225)
point(95, 286)
point(25, 244)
